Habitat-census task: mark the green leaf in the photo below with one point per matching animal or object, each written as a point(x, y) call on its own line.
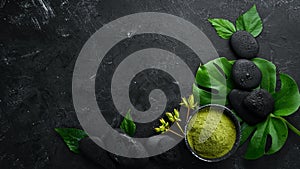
point(247, 130)
point(268, 70)
point(71, 137)
point(223, 27)
point(127, 125)
point(289, 125)
point(278, 132)
point(287, 99)
point(256, 146)
point(213, 79)
point(250, 22)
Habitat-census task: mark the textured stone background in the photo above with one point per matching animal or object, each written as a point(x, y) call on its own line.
point(39, 43)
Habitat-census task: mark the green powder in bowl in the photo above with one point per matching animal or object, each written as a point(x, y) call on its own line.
point(212, 133)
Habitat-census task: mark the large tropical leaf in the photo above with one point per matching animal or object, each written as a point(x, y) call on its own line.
point(213, 82)
point(287, 99)
point(268, 70)
point(273, 127)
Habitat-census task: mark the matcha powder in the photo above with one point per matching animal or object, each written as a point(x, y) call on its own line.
point(210, 133)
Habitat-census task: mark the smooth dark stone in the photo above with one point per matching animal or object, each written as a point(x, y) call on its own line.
point(260, 102)
point(160, 142)
point(170, 157)
point(236, 98)
point(245, 74)
point(95, 153)
point(244, 45)
point(132, 148)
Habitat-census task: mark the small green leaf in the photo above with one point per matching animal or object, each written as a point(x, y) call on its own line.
point(127, 125)
point(223, 27)
point(71, 137)
point(273, 127)
point(287, 99)
point(213, 79)
point(246, 132)
point(268, 70)
point(250, 22)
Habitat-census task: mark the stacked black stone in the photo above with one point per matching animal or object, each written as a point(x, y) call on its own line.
point(251, 104)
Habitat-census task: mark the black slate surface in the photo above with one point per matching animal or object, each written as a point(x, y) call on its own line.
point(39, 43)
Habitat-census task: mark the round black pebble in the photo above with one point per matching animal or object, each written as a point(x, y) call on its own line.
point(245, 74)
point(236, 98)
point(244, 45)
point(133, 148)
point(95, 153)
point(172, 156)
point(260, 102)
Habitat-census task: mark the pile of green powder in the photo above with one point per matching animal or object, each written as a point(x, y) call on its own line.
point(218, 133)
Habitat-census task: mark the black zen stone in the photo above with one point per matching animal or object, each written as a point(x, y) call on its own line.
point(170, 157)
point(244, 45)
point(236, 98)
point(260, 102)
point(95, 153)
point(133, 148)
point(245, 74)
point(163, 142)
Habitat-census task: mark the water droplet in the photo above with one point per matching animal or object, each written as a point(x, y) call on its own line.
point(247, 75)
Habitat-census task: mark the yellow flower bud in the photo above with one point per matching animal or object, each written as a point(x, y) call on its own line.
point(157, 130)
point(184, 102)
point(170, 116)
point(176, 113)
point(191, 101)
point(162, 121)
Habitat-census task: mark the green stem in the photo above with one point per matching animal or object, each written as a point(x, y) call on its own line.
point(179, 127)
point(175, 133)
point(294, 129)
point(188, 114)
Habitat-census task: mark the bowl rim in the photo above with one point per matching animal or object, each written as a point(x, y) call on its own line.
point(236, 122)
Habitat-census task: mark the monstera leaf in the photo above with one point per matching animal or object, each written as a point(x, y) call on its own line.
point(287, 99)
point(273, 127)
point(268, 70)
point(213, 82)
point(287, 102)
